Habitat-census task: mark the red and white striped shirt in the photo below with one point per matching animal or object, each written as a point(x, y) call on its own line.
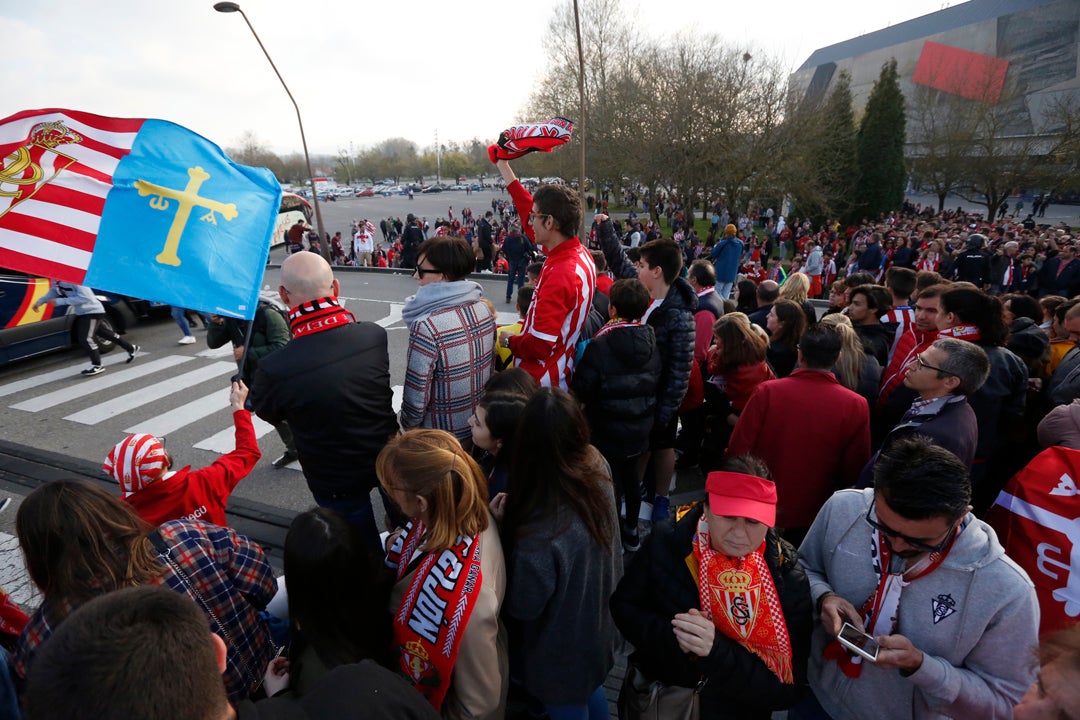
point(564, 292)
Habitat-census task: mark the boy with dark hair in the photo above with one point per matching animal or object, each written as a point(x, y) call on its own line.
point(865, 305)
point(671, 315)
point(617, 381)
point(503, 357)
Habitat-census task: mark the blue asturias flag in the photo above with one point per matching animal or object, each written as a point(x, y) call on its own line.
point(144, 208)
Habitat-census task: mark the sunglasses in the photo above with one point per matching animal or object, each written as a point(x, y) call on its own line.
point(420, 272)
point(888, 532)
point(534, 215)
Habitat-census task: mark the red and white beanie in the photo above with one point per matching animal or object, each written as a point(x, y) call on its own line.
point(135, 462)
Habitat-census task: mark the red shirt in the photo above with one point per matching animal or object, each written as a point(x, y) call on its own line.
point(201, 494)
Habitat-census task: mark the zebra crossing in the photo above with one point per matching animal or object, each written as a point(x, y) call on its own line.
point(165, 392)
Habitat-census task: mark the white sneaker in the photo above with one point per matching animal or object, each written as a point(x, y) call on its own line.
point(186, 340)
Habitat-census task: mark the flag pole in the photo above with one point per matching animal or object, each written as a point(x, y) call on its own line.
point(247, 346)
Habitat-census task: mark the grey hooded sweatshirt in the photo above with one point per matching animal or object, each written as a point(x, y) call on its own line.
point(975, 618)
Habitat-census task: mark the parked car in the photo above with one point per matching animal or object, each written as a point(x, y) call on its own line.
point(25, 332)
point(432, 189)
point(366, 192)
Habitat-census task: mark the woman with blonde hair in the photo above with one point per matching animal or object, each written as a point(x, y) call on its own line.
point(854, 368)
point(797, 289)
point(451, 576)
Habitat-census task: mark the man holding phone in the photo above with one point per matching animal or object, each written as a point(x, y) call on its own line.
point(906, 563)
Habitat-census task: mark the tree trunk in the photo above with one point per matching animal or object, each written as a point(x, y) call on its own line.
point(941, 202)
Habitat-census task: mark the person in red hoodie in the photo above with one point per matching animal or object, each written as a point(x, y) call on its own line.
point(143, 467)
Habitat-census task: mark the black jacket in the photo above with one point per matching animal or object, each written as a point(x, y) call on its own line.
point(1000, 402)
point(362, 690)
point(973, 266)
point(485, 233)
point(877, 341)
point(411, 240)
point(333, 387)
point(782, 358)
point(1065, 283)
point(673, 322)
point(617, 380)
point(760, 317)
point(658, 585)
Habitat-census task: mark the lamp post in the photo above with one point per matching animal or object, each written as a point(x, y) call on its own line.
point(324, 244)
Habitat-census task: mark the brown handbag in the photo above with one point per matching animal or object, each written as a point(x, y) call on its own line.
point(643, 699)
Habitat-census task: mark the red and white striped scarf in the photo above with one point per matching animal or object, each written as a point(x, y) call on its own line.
point(739, 596)
point(435, 609)
point(318, 315)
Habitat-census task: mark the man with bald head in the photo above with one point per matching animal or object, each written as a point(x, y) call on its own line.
point(767, 293)
point(332, 384)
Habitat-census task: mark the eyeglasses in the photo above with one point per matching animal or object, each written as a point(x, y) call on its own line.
point(928, 366)
point(534, 215)
point(420, 272)
point(888, 532)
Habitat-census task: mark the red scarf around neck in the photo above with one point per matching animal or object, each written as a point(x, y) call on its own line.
point(962, 332)
point(318, 315)
point(435, 609)
point(880, 612)
point(739, 596)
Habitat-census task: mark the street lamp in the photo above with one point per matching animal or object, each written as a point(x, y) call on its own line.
point(324, 244)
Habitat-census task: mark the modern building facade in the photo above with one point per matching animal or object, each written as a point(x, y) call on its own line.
point(1022, 52)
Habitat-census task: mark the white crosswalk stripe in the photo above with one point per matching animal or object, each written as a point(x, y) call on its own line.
point(171, 421)
point(111, 408)
point(208, 365)
point(65, 373)
point(393, 317)
point(225, 441)
point(99, 383)
point(225, 351)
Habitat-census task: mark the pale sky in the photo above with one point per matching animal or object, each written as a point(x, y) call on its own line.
point(361, 71)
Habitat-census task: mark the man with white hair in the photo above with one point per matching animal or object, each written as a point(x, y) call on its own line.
point(1005, 268)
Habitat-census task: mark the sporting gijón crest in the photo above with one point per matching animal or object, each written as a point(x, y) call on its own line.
point(944, 606)
point(739, 599)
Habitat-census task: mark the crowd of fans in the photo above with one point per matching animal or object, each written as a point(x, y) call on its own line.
point(836, 565)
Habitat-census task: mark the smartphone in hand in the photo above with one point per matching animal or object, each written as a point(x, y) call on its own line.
point(858, 642)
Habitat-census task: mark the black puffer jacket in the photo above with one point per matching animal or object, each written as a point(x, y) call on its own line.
point(617, 381)
point(673, 322)
point(658, 585)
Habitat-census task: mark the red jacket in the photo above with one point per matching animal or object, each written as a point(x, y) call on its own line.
point(910, 343)
point(201, 494)
point(564, 293)
point(813, 434)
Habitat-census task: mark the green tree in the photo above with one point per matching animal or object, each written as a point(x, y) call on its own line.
point(836, 159)
point(881, 147)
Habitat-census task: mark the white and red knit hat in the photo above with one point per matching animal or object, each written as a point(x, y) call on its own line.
point(135, 462)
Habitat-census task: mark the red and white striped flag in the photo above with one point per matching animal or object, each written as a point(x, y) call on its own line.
point(136, 206)
point(57, 172)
